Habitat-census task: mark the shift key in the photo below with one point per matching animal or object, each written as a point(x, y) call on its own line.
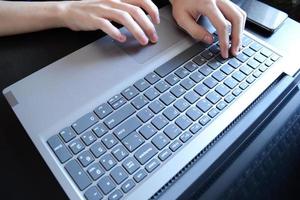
point(120, 115)
point(145, 153)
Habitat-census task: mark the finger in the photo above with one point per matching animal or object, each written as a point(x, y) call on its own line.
point(148, 6)
point(140, 17)
point(125, 19)
point(189, 24)
point(222, 26)
point(110, 29)
point(244, 14)
point(236, 19)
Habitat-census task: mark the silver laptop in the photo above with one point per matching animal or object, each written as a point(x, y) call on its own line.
point(118, 121)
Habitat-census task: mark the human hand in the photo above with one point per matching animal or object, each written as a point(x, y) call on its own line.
point(91, 15)
point(221, 13)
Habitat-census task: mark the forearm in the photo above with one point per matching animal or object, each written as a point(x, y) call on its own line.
point(22, 17)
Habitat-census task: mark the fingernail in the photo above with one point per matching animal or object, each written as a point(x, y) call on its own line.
point(225, 54)
point(154, 37)
point(157, 20)
point(144, 40)
point(208, 39)
point(122, 38)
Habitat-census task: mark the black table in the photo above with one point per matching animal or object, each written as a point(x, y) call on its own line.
point(24, 174)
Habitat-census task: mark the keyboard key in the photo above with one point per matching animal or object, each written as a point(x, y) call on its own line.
point(213, 112)
point(177, 91)
point(236, 92)
point(114, 99)
point(98, 149)
point(221, 59)
point(246, 69)
point(219, 75)
point(181, 105)
point(95, 171)
point(244, 85)
point(167, 98)
point(59, 149)
point(106, 185)
point(187, 83)
point(142, 85)
point(263, 68)
point(230, 82)
point(215, 49)
point(242, 57)
point(253, 63)
point(182, 72)
point(227, 69)
point(193, 113)
point(109, 141)
point(191, 97)
point(257, 73)
point(140, 175)
point(185, 136)
point(266, 52)
point(199, 60)
point(175, 145)
point(128, 185)
point(239, 76)
point(115, 195)
point(204, 120)
point(246, 41)
point(195, 128)
point(79, 176)
point(119, 152)
point(85, 158)
point(160, 141)
point(274, 57)
point(213, 97)
point(197, 76)
point(222, 89)
point(207, 54)
point(255, 46)
point(221, 105)
point(85, 122)
point(152, 165)
point(164, 154)
point(268, 63)
point(118, 103)
point(107, 161)
point(250, 79)
point(214, 64)
point(172, 79)
point(67, 134)
point(204, 105)
point(152, 78)
point(159, 122)
point(172, 131)
point(162, 86)
point(156, 106)
point(151, 93)
point(145, 114)
point(148, 131)
point(130, 92)
point(133, 141)
point(171, 113)
point(139, 102)
point(205, 70)
point(127, 127)
point(131, 165)
point(118, 174)
point(88, 138)
point(76, 146)
point(229, 98)
point(93, 194)
point(190, 66)
point(260, 58)
point(201, 89)
point(249, 52)
point(103, 110)
point(233, 62)
point(183, 122)
point(100, 129)
point(118, 116)
point(145, 153)
point(210, 82)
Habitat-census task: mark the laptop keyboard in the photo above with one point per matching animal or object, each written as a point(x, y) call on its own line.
point(110, 150)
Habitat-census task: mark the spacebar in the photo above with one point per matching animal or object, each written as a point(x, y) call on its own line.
point(181, 58)
point(120, 115)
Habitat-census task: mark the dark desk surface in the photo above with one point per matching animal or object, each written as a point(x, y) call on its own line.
point(23, 172)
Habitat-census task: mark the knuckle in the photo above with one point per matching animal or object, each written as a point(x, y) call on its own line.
point(124, 16)
point(136, 11)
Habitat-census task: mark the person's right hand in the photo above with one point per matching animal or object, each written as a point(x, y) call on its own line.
point(98, 14)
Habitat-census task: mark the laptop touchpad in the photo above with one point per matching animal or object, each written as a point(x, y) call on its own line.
point(168, 34)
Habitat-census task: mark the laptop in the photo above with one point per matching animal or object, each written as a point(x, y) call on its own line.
point(119, 121)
